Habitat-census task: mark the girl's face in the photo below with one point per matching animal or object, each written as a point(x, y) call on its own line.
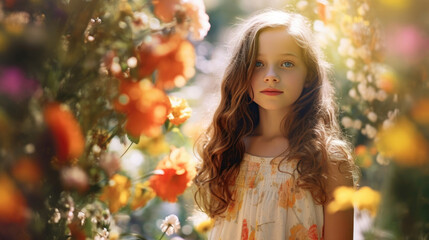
point(279, 74)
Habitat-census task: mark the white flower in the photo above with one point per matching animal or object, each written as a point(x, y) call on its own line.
point(357, 124)
point(369, 77)
point(363, 52)
point(360, 77)
point(132, 62)
point(351, 75)
point(347, 122)
point(170, 224)
point(104, 235)
point(363, 9)
point(81, 217)
point(345, 47)
point(302, 5)
point(370, 94)
point(353, 94)
point(361, 88)
point(372, 116)
point(369, 131)
point(382, 160)
point(55, 217)
point(350, 63)
point(381, 95)
point(70, 215)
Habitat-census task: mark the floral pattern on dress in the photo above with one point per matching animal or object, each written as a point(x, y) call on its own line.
point(269, 205)
point(289, 192)
point(299, 232)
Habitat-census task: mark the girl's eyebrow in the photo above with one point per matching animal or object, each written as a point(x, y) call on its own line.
point(281, 54)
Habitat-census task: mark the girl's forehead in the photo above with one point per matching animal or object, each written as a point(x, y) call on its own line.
point(277, 41)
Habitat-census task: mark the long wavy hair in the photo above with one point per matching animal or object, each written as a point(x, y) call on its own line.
point(311, 126)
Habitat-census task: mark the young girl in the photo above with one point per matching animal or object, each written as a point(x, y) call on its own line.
point(274, 152)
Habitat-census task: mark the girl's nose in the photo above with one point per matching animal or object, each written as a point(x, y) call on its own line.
point(271, 76)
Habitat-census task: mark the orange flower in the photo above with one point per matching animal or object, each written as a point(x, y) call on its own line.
point(298, 232)
point(12, 203)
point(117, 193)
point(146, 107)
point(180, 111)
point(26, 170)
point(165, 9)
point(142, 195)
point(321, 10)
point(173, 56)
point(68, 136)
point(178, 171)
point(289, 193)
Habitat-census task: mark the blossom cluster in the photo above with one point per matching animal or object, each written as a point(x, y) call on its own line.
point(74, 75)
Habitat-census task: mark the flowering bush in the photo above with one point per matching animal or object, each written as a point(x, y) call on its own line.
point(383, 91)
point(76, 76)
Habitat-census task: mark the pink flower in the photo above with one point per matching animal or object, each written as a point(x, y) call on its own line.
point(15, 84)
point(74, 178)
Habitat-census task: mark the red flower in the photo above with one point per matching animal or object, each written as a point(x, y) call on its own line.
point(68, 136)
point(178, 171)
point(146, 107)
point(76, 231)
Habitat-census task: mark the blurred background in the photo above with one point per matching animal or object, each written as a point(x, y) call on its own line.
point(78, 79)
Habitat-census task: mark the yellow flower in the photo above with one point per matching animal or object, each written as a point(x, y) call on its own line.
point(180, 111)
point(205, 226)
point(366, 198)
point(343, 199)
point(347, 197)
point(404, 143)
point(154, 146)
point(142, 195)
point(117, 193)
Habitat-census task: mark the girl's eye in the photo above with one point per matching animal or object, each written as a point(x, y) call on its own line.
point(287, 64)
point(259, 64)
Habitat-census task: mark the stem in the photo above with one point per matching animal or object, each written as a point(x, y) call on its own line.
point(145, 176)
point(169, 225)
point(126, 150)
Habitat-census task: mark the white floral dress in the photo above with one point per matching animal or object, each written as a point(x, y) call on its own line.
point(268, 205)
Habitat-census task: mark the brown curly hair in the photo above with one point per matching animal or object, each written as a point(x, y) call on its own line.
point(311, 126)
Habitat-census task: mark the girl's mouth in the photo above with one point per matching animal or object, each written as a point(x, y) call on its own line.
point(271, 92)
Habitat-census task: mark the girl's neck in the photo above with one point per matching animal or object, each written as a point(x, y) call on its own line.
point(269, 126)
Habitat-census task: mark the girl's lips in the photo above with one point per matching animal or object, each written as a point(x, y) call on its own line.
point(271, 92)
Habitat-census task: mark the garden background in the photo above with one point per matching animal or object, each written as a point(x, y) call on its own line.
point(102, 100)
